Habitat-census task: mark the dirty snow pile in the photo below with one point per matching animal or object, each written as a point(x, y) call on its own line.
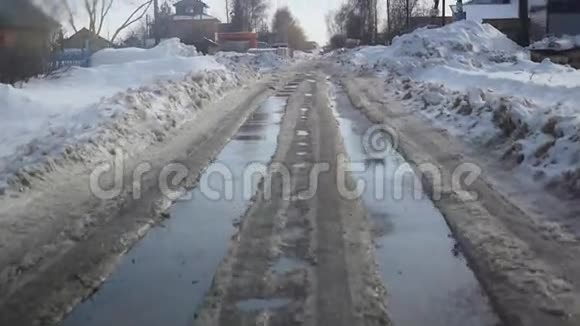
point(566, 42)
point(473, 81)
point(301, 55)
point(261, 61)
point(129, 98)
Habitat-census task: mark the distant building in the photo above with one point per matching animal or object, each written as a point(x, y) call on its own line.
point(502, 14)
point(560, 16)
point(84, 39)
point(193, 25)
point(547, 17)
point(25, 39)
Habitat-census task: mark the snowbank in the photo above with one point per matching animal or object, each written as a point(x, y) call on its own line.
point(167, 49)
point(305, 55)
point(465, 45)
point(261, 61)
point(472, 80)
point(81, 111)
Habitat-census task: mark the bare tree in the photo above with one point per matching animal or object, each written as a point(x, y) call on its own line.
point(239, 17)
point(343, 21)
point(248, 15)
point(358, 19)
point(70, 14)
point(332, 28)
point(97, 12)
point(355, 19)
point(397, 17)
point(162, 23)
point(336, 21)
point(257, 13)
point(134, 17)
point(288, 29)
point(366, 11)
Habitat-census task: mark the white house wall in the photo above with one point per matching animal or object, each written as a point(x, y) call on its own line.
point(480, 12)
point(497, 11)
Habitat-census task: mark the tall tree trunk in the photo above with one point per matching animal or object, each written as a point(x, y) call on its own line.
point(388, 19)
point(156, 25)
point(376, 21)
point(408, 15)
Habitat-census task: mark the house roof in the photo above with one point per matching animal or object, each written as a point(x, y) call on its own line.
point(190, 2)
point(24, 14)
point(85, 34)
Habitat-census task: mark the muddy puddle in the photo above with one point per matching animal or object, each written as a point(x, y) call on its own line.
point(163, 279)
point(428, 281)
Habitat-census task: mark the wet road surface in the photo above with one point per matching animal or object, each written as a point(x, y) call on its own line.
point(303, 259)
point(164, 277)
point(428, 281)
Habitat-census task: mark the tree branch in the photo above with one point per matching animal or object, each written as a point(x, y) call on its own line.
point(105, 9)
point(134, 17)
point(91, 12)
point(70, 14)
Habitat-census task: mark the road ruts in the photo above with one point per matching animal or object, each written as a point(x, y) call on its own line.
point(306, 258)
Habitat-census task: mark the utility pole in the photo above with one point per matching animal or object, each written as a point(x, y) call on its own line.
point(376, 22)
point(156, 22)
point(388, 19)
point(525, 23)
point(443, 13)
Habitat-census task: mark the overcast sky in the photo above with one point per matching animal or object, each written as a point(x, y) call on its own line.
point(310, 13)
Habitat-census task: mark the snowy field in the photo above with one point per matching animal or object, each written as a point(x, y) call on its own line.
point(476, 83)
point(128, 96)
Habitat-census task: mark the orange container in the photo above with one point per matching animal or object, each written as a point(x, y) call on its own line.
point(251, 37)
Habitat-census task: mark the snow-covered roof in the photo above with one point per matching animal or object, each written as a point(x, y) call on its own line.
point(190, 2)
point(194, 17)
